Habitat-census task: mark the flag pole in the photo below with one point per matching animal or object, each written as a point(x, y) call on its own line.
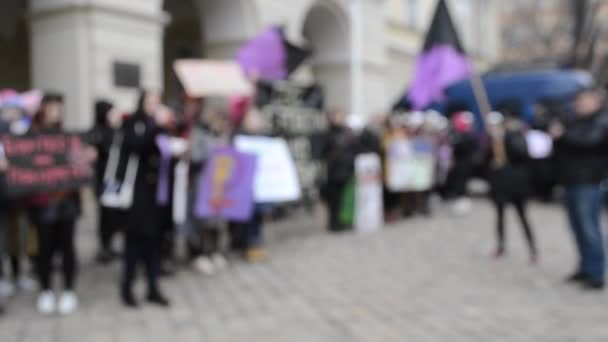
point(483, 103)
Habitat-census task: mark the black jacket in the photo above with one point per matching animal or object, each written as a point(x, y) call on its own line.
point(339, 151)
point(512, 181)
point(581, 152)
point(145, 217)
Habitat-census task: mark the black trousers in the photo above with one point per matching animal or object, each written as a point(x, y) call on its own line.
point(53, 239)
point(146, 250)
point(108, 227)
point(520, 207)
point(333, 197)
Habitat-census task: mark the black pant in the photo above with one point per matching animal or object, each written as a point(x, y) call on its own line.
point(333, 197)
point(52, 239)
point(146, 249)
point(108, 227)
point(520, 207)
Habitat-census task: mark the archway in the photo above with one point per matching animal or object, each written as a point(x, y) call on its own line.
point(204, 29)
point(183, 38)
point(15, 65)
point(326, 28)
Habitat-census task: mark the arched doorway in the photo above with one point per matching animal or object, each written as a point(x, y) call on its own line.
point(204, 29)
point(14, 46)
point(182, 39)
point(326, 28)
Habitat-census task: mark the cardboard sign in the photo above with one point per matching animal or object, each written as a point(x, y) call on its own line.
point(226, 186)
point(368, 197)
point(276, 179)
point(202, 78)
point(43, 163)
point(410, 165)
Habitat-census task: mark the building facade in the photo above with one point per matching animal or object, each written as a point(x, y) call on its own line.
point(364, 50)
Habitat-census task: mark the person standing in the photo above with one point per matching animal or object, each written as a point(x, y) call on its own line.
point(54, 214)
point(102, 137)
point(580, 142)
point(144, 229)
point(509, 176)
point(339, 156)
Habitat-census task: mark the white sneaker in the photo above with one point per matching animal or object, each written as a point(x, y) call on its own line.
point(68, 303)
point(219, 261)
point(26, 284)
point(204, 265)
point(46, 302)
point(7, 289)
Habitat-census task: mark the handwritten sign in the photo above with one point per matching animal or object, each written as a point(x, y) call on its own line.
point(203, 78)
point(276, 179)
point(48, 162)
point(226, 186)
point(410, 165)
point(368, 198)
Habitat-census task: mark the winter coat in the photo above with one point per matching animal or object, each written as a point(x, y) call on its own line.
point(581, 152)
point(145, 217)
point(512, 181)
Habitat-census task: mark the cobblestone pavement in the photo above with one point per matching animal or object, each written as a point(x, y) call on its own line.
point(420, 280)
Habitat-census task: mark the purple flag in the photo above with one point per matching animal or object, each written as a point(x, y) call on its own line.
point(265, 56)
point(162, 187)
point(435, 70)
point(225, 188)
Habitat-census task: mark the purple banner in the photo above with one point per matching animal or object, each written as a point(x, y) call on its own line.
point(264, 56)
point(435, 70)
point(226, 186)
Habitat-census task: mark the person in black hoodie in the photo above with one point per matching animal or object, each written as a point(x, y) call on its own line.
point(144, 230)
point(338, 153)
point(580, 144)
point(509, 175)
point(102, 136)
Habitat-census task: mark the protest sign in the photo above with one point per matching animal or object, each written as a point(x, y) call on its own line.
point(540, 144)
point(276, 179)
point(368, 196)
point(410, 165)
point(45, 162)
point(226, 186)
point(212, 78)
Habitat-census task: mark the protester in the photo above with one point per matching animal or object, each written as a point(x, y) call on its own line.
point(211, 131)
point(54, 214)
point(103, 136)
point(339, 157)
point(509, 175)
point(144, 229)
point(464, 145)
point(580, 141)
point(249, 236)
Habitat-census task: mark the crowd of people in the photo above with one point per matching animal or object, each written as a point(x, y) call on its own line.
point(128, 154)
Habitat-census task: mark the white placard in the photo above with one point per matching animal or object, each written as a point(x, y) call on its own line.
point(540, 144)
point(410, 165)
point(276, 179)
point(212, 78)
point(368, 198)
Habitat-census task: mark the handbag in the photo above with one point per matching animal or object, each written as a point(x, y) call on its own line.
point(117, 194)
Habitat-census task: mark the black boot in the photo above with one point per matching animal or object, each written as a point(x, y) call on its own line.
point(156, 297)
point(127, 297)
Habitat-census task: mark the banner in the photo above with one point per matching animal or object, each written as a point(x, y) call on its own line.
point(368, 197)
point(276, 179)
point(212, 78)
point(44, 163)
point(410, 165)
point(226, 186)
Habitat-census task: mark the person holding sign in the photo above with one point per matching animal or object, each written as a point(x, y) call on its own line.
point(144, 230)
point(54, 214)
